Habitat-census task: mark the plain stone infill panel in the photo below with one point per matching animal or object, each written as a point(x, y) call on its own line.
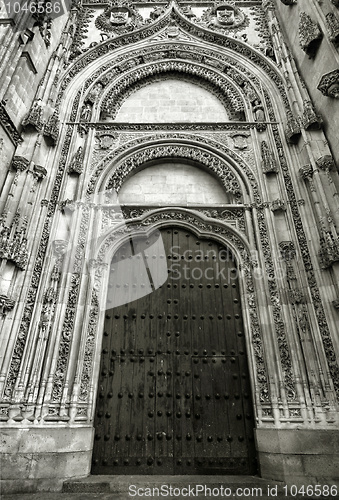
point(45, 465)
point(172, 101)
point(172, 182)
point(299, 456)
point(45, 440)
point(298, 441)
point(35, 456)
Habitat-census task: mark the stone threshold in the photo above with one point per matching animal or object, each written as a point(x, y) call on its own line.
point(120, 484)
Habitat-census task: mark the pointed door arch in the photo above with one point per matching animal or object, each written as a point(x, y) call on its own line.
point(174, 392)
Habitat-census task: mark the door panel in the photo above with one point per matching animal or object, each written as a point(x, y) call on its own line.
point(174, 393)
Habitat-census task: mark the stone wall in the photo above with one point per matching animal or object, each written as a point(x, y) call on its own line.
point(172, 101)
point(174, 184)
point(314, 64)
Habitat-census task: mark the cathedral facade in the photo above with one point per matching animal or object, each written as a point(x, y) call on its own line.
point(169, 240)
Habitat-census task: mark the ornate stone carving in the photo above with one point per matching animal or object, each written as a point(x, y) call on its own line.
point(288, 253)
point(269, 164)
point(329, 84)
point(20, 163)
point(230, 92)
point(289, 2)
point(187, 11)
point(77, 164)
point(106, 140)
point(277, 205)
point(51, 128)
point(84, 16)
point(6, 304)
point(329, 249)
point(333, 27)
point(95, 92)
point(9, 126)
point(326, 163)
point(13, 242)
point(34, 117)
point(59, 247)
point(119, 17)
point(89, 349)
point(224, 16)
point(311, 119)
point(312, 283)
point(259, 116)
point(66, 339)
point(292, 130)
point(310, 34)
point(287, 250)
point(157, 12)
point(240, 140)
point(234, 111)
point(39, 172)
point(306, 172)
point(196, 31)
point(335, 304)
point(224, 173)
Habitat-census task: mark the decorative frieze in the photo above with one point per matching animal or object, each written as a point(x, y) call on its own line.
point(329, 84)
point(310, 34)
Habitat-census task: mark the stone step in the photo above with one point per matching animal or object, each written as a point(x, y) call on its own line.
point(222, 487)
point(121, 484)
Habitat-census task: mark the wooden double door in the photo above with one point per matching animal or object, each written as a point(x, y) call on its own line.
point(174, 393)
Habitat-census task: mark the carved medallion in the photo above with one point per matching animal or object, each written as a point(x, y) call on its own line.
point(119, 17)
point(224, 16)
